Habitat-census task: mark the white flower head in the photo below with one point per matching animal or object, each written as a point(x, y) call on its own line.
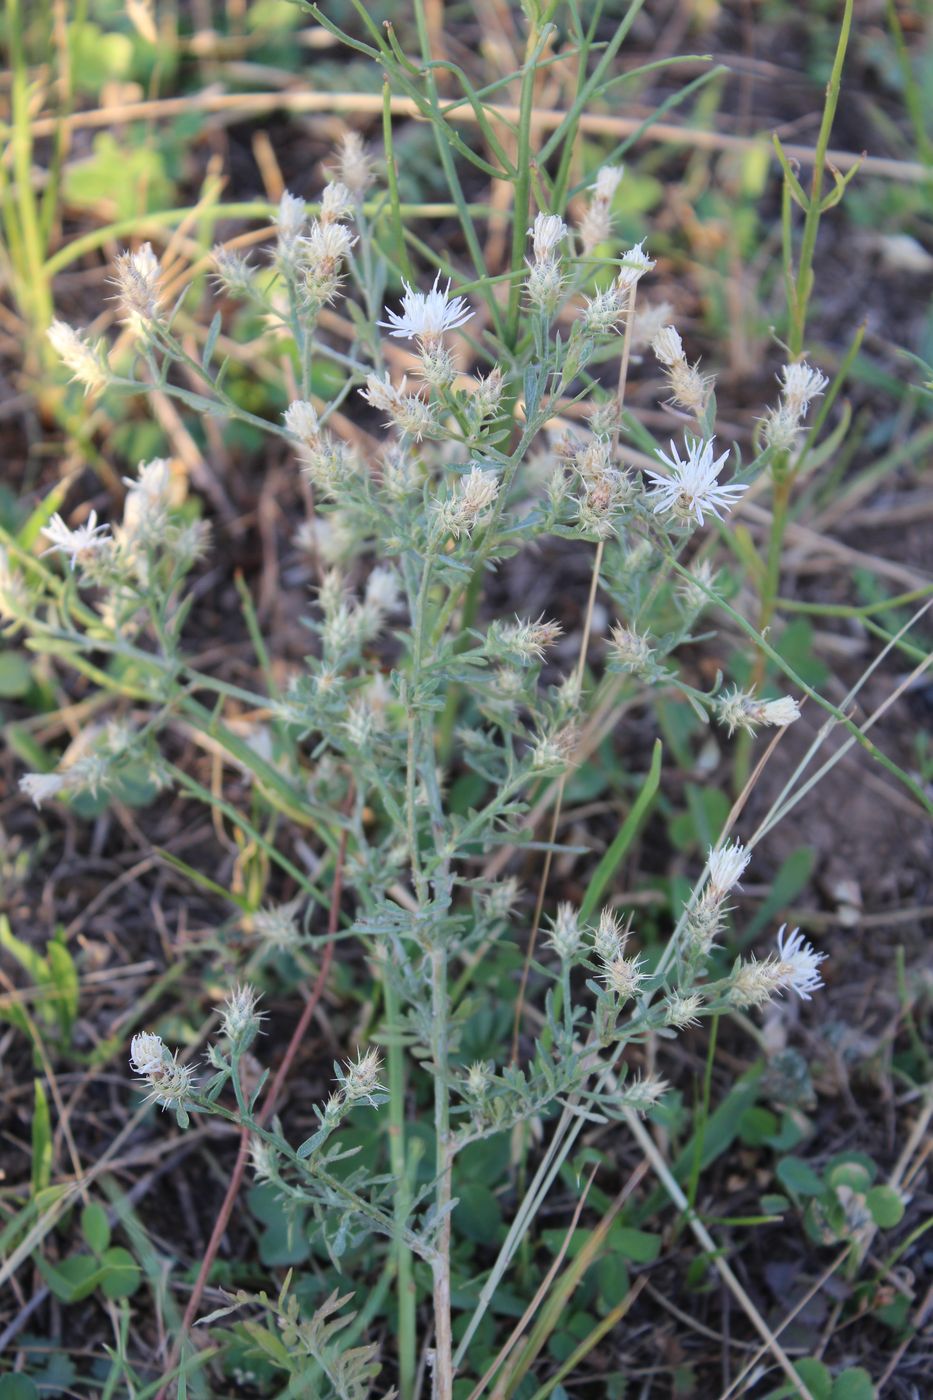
point(608, 178)
point(41, 786)
point(290, 220)
point(278, 926)
point(137, 279)
point(727, 866)
point(798, 962)
point(472, 498)
point(692, 488)
point(301, 420)
point(361, 1079)
point(87, 362)
point(741, 709)
point(77, 544)
point(623, 976)
point(171, 1083)
point(780, 712)
point(426, 316)
point(668, 346)
point(240, 1019)
point(635, 263)
point(547, 232)
point(354, 166)
point(382, 589)
point(801, 383)
point(336, 202)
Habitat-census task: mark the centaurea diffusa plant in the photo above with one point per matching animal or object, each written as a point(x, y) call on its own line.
point(354, 747)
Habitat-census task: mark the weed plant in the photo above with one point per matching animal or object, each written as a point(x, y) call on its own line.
point(501, 404)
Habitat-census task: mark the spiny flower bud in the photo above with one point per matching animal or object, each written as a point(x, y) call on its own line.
point(643, 1093)
point(623, 977)
point(554, 752)
point(323, 252)
point(408, 413)
point(609, 940)
point(233, 273)
point(361, 1078)
point(473, 496)
point(87, 360)
point(681, 1009)
point(544, 285)
point(240, 1020)
point(278, 925)
point(478, 1078)
point(565, 932)
point(291, 221)
point(486, 395)
point(634, 652)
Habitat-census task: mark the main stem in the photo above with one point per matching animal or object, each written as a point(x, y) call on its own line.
point(443, 1336)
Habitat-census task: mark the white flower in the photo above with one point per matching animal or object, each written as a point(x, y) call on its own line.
point(171, 1083)
point(382, 589)
point(668, 346)
point(680, 1009)
point(607, 181)
point(780, 712)
point(473, 496)
point(727, 866)
point(290, 219)
point(623, 976)
point(798, 962)
point(336, 202)
point(136, 276)
point(427, 315)
point(87, 362)
point(801, 384)
point(548, 231)
point(635, 263)
point(302, 421)
point(84, 540)
point(41, 786)
point(643, 1093)
point(693, 486)
point(740, 709)
point(353, 164)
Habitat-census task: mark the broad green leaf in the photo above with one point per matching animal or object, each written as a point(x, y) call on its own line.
point(799, 1177)
point(15, 675)
point(95, 1227)
point(886, 1206)
point(853, 1384)
point(121, 1273)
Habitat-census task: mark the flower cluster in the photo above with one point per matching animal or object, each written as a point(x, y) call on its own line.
point(800, 384)
point(689, 388)
point(170, 1082)
point(741, 709)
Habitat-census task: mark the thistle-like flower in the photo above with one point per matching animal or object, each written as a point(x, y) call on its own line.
point(170, 1083)
point(278, 925)
point(547, 233)
point(635, 263)
point(86, 360)
point(136, 277)
point(681, 1009)
point(798, 962)
point(692, 487)
point(634, 652)
point(644, 1092)
point(741, 709)
point(360, 1080)
point(801, 383)
point(472, 498)
point(291, 220)
point(40, 787)
point(727, 866)
point(426, 316)
point(233, 273)
point(623, 977)
point(565, 932)
point(609, 940)
point(409, 413)
point(78, 544)
point(354, 166)
point(240, 1019)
